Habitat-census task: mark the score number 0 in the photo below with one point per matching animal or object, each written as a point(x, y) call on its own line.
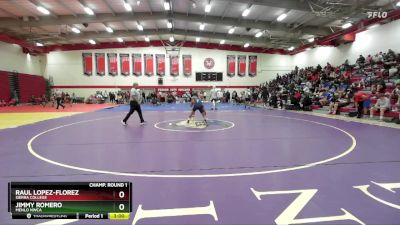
point(121, 206)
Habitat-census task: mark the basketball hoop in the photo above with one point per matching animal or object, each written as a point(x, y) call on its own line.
point(172, 48)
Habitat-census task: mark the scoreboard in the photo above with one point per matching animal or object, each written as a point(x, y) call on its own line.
point(208, 76)
point(70, 200)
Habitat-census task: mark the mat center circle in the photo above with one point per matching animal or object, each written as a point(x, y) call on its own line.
point(194, 125)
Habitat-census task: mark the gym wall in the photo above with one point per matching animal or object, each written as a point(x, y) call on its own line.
point(66, 69)
point(375, 40)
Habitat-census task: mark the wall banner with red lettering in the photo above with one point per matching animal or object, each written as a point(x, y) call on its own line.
point(241, 65)
point(100, 64)
point(231, 65)
point(124, 64)
point(87, 60)
point(252, 65)
point(112, 61)
point(174, 65)
point(187, 65)
point(137, 64)
point(160, 61)
point(148, 64)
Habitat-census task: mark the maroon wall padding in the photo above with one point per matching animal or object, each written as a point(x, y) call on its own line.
point(4, 86)
point(31, 85)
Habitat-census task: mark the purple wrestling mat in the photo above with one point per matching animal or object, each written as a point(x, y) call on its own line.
point(246, 167)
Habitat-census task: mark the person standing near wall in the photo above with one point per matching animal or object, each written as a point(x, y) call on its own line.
point(214, 97)
point(59, 96)
point(135, 97)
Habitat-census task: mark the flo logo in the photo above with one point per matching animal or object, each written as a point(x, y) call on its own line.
point(380, 15)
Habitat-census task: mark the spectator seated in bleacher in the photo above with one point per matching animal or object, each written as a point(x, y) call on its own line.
point(306, 103)
point(396, 95)
point(340, 100)
point(154, 99)
point(390, 56)
point(43, 100)
point(3, 103)
point(381, 87)
point(393, 71)
point(382, 105)
point(369, 60)
point(325, 98)
point(360, 61)
point(170, 98)
point(186, 96)
point(12, 102)
point(32, 100)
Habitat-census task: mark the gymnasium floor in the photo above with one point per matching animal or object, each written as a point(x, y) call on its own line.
point(252, 166)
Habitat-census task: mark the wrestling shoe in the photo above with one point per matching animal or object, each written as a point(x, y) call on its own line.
point(123, 123)
point(143, 123)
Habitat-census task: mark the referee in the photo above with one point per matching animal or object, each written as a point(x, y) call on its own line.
point(134, 105)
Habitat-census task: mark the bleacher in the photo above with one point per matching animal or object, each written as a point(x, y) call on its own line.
point(362, 76)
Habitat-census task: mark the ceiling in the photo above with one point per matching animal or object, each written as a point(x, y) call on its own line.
point(305, 19)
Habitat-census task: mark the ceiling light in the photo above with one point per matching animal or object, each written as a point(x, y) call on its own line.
point(147, 39)
point(109, 29)
point(166, 6)
point(197, 39)
point(120, 39)
point(311, 40)
point(246, 45)
point(43, 10)
point(346, 25)
point(39, 44)
point(75, 30)
point(291, 48)
point(88, 10)
point(207, 9)
point(246, 12)
point(137, 2)
point(230, 31)
point(222, 42)
point(171, 39)
point(139, 27)
point(281, 17)
point(259, 34)
point(169, 25)
point(194, 5)
point(398, 4)
point(92, 42)
point(307, 49)
point(127, 6)
point(201, 27)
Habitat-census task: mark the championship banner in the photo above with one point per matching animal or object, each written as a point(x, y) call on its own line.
point(125, 64)
point(87, 60)
point(148, 64)
point(112, 61)
point(230, 61)
point(241, 65)
point(252, 65)
point(187, 65)
point(174, 65)
point(160, 61)
point(137, 64)
point(100, 64)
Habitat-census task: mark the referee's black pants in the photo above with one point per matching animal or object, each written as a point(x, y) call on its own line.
point(59, 103)
point(134, 106)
